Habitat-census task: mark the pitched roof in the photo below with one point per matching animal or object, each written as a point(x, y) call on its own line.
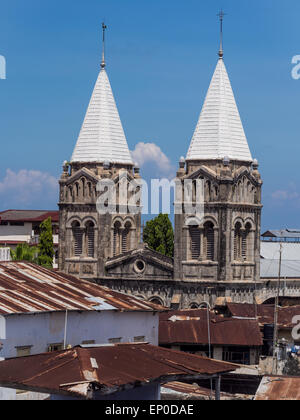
point(219, 132)
point(282, 234)
point(28, 288)
point(279, 388)
point(231, 332)
point(108, 369)
point(265, 313)
point(29, 215)
point(102, 136)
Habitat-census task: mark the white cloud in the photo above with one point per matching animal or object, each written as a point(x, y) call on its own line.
point(146, 154)
point(27, 187)
point(283, 195)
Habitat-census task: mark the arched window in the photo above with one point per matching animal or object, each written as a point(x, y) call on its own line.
point(83, 187)
point(195, 242)
point(90, 239)
point(246, 242)
point(238, 242)
point(116, 239)
point(209, 241)
point(126, 238)
point(77, 239)
point(90, 189)
point(156, 301)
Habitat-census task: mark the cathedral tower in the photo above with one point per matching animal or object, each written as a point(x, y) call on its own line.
point(225, 245)
point(87, 238)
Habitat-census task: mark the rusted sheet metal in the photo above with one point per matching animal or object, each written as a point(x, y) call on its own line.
point(28, 215)
point(189, 314)
point(279, 388)
point(27, 288)
point(190, 392)
point(109, 369)
point(188, 389)
point(265, 313)
point(231, 332)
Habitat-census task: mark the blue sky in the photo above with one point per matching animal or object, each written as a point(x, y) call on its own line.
point(161, 55)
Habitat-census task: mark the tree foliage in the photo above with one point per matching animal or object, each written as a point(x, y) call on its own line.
point(159, 235)
point(25, 252)
point(46, 249)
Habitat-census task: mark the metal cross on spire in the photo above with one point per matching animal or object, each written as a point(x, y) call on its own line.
point(221, 16)
point(103, 63)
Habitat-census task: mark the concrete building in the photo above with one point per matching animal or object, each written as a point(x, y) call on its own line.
point(226, 339)
point(23, 226)
point(5, 254)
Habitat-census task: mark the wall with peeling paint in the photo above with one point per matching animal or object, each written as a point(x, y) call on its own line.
point(42, 329)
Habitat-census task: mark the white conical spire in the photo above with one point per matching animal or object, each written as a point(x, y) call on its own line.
point(102, 138)
point(220, 131)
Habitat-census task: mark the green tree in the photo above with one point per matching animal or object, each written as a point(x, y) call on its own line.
point(46, 249)
point(24, 252)
point(159, 235)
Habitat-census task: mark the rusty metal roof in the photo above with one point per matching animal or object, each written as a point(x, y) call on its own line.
point(265, 313)
point(190, 391)
point(107, 369)
point(29, 215)
point(227, 331)
point(279, 388)
point(187, 314)
point(28, 288)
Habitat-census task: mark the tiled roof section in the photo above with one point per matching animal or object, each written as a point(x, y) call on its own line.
point(108, 368)
point(279, 388)
point(29, 215)
point(28, 288)
point(219, 132)
point(231, 332)
point(265, 313)
point(102, 136)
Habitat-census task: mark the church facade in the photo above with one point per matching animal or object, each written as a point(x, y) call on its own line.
point(216, 258)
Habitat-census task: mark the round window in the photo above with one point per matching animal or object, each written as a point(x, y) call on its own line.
point(140, 266)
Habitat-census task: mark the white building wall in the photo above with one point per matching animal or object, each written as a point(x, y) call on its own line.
point(41, 330)
point(5, 254)
point(16, 233)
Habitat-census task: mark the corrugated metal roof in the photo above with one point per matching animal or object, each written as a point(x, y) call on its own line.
point(199, 314)
point(269, 269)
point(102, 136)
point(189, 391)
point(26, 288)
point(265, 313)
point(271, 250)
point(279, 388)
point(28, 215)
point(219, 131)
point(107, 368)
point(231, 332)
point(283, 233)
